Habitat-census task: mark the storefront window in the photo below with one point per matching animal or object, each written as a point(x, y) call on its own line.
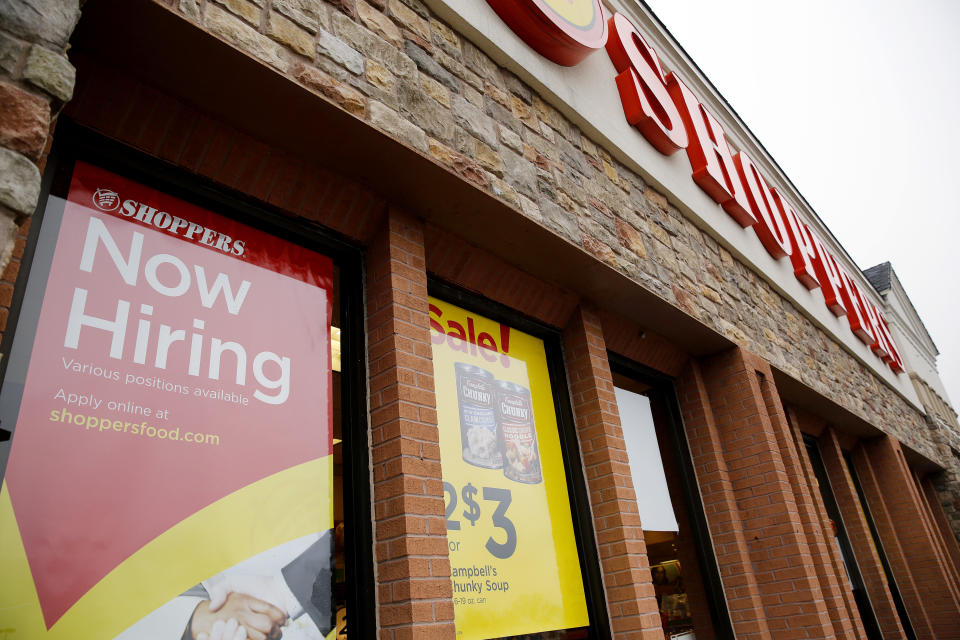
point(516, 565)
point(684, 574)
point(881, 553)
point(842, 541)
point(175, 394)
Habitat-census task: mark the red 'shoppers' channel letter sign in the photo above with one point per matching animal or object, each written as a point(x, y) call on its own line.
point(173, 424)
point(671, 117)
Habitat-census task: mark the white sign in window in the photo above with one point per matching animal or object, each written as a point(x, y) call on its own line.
point(646, 467)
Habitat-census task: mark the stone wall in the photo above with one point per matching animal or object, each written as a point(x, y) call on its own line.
point(947, 484)
point(944, 432)
point(36, 80)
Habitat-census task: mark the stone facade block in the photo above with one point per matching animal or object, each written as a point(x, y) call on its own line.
point(373, 46)
point(309, 14)
point(379, 23)
point(348, 7)
point(395, 125)
point(24, 120)
point(435, 90)
point(11, 52)
point(422, 111)
point(51, 72)
point(475, 122)
point(19, 182)
point(237, 32)
point(289, 33)
point(243, 8)
point(344, 95)
point(459, 163)
point(8, 248)
point(410, 19)
point(380, 77)
point(47, 21)
point(430, 66)
point(340, 52)
point(191, 9)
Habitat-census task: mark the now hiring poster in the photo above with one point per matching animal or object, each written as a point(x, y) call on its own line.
point(169, 397)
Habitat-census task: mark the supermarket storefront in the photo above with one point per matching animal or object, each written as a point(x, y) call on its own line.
point(369, 319)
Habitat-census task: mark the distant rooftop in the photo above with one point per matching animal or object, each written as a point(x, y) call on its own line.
point(879, 276)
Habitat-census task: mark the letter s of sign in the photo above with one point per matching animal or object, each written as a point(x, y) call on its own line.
point(647, 104)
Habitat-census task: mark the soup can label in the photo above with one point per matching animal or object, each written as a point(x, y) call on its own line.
point(518, 435)
point(479, 435)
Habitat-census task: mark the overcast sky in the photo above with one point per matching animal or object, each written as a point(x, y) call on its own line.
point(859, 103)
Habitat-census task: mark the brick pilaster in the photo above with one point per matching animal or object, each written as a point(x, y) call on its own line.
point(631, 603)
point(412, 565)
point(858, 532)
point(831, 572)
point(943, 525)
point(896, 556)
point(627, 339)
point(720, 505)
point(762, 485)
point(940, 551)
point(935, 592)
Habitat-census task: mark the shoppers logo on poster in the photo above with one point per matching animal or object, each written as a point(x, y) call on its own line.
point(106, 199)
point(173, 432)
point(513, 554)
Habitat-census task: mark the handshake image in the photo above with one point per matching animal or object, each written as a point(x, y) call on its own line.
point(284, 592)
point(244, 607)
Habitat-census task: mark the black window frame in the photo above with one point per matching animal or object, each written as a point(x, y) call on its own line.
point(74, 142)
point(663, 391)
point(581, 514)
point(892, 585)
point(868, 616)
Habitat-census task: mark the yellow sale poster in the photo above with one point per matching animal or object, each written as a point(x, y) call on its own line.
point(513, 554)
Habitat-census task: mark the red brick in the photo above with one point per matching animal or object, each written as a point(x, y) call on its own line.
point(455, 260)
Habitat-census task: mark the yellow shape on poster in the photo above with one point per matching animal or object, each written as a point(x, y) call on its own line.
point(269, 512)
point(513, 553)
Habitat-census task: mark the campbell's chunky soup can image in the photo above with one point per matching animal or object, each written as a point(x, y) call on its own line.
point(518, 435)
point(478, 422)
